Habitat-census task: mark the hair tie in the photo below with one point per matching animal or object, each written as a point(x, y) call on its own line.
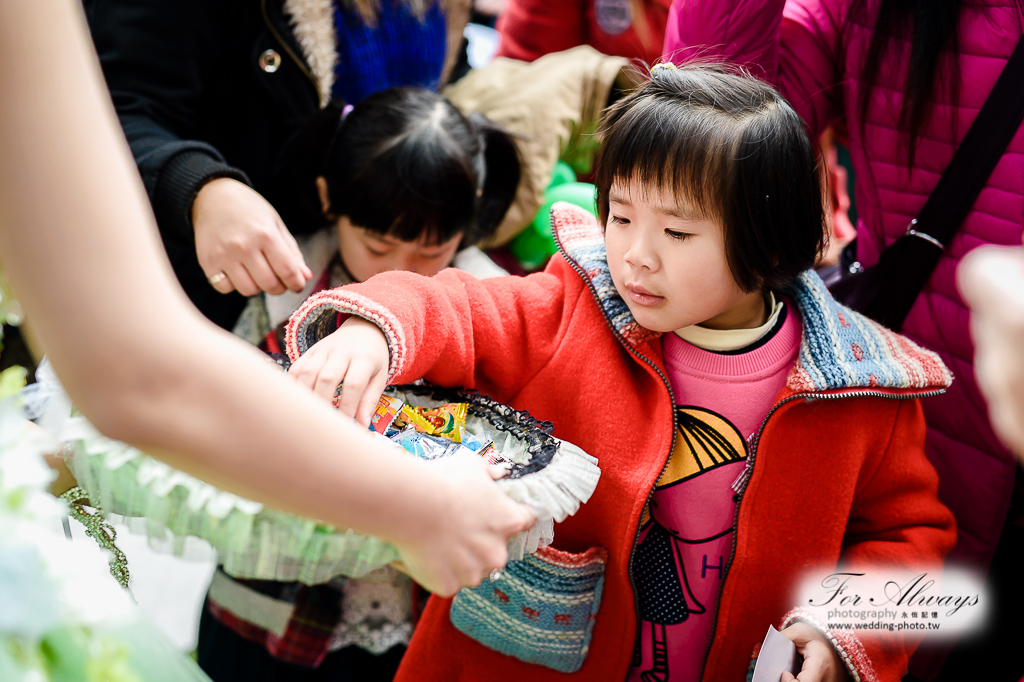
point(663, 65)
point(346, 110)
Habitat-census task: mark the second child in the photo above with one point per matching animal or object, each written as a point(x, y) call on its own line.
point(403, 181)
point(406, 182)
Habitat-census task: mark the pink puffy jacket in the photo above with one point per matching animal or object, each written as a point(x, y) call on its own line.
point(815, 53)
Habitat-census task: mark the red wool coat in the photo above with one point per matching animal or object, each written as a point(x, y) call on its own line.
point(838, 471)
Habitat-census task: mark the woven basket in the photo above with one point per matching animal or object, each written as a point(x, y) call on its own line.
point(551, 476)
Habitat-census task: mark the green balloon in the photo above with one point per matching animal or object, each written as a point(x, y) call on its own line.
point(531, 249)
point(562, 174)
point(582, 194)
point(534, 245)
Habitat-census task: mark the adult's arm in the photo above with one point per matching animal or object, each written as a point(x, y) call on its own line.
point(795, 45)
point(157, 57)
point(531, 29)
point(83, 255)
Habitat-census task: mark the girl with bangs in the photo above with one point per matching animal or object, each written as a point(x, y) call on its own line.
point(684, 341)
point(404, 181)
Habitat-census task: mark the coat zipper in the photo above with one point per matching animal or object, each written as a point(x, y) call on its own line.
point(748, 472)
point(291, 53)
point(672, 445)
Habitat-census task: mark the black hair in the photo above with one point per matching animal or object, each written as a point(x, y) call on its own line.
point(737, 151)
point(933, 27)
point(406, 163)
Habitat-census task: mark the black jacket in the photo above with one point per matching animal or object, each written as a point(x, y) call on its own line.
point(204, 89)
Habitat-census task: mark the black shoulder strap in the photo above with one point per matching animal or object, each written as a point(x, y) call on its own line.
point(886, 291)
point(977, 155)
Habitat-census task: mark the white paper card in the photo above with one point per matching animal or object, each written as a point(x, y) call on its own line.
point(778, 654)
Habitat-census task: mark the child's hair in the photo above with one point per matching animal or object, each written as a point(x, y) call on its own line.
point(406, 163)
point(736, 150)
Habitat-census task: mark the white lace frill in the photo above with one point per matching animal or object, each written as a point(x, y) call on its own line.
point(251, 541)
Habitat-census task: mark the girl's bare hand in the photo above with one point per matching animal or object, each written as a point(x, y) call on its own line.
point(355, 356)
point(821, 662)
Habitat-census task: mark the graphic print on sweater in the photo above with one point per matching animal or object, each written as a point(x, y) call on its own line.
point(685, 541)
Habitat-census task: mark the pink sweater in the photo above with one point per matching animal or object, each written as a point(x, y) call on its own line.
point(687, 529)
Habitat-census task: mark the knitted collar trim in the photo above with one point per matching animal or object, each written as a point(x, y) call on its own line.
point(840, 348)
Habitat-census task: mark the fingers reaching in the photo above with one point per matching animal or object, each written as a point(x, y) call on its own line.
point(356, 357)
point(242, 243)
point(263, 273)
point(233, 277)
point(285, 261)
point(356, 381)
point(371, 396)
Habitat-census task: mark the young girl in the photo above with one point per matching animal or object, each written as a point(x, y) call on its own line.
point(749, 429)
point(406, 181)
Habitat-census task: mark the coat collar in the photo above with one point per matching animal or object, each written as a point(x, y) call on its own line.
point(840, 348)
point(312, 23)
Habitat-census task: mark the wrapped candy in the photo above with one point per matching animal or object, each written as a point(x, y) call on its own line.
point(491, 455)
point(423, 445)
point(408, 416)
point(386, 412)
point(446, 421)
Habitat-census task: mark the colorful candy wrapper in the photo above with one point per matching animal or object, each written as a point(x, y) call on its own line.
point(384, 415)
point(472, 442)
point(447, 421)
point(424, 446)
point(408, 416)
point(491, 456)
point(483, 448)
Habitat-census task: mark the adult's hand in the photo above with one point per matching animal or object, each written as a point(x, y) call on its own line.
point(469, 539)
point(991, 281)
point(242, 243)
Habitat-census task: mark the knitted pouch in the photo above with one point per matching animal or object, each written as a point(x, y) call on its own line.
point(541, 610)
